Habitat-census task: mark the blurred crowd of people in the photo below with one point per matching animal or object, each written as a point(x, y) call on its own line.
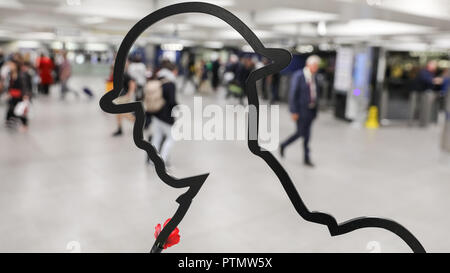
point(157, 88)
point(432, 78)
point(406, 73)
point(17, 84)
point(207, 76)
point(22, 78)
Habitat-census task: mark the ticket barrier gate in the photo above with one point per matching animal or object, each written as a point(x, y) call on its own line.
point(423, 108)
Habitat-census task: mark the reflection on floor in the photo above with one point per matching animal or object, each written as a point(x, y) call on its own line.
point(67, 179)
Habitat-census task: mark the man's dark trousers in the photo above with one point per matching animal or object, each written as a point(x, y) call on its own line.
point(303, 130)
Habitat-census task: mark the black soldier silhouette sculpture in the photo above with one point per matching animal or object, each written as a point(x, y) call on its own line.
point(279, 58)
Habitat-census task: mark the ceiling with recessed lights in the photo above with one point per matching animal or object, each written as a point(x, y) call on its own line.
point(282, 22)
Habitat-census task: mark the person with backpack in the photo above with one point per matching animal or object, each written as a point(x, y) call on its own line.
point(153, 98)
point(160, 99)
point(153, 102)
point(126, 96)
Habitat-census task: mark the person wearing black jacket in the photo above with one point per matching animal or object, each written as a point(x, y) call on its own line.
point(15, 89)
point(303, 94)
point(426, 77)
point(215, 73)
point(163, 120)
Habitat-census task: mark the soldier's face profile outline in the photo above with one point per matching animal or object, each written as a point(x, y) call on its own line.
point(280, 59)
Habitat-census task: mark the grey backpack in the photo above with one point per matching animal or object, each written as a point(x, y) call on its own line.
point(153, 96)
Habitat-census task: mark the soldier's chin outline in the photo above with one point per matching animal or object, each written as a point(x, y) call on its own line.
point(280, 59)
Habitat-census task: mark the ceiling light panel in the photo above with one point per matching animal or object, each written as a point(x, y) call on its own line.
point(285, 16)
point(222, 3)
point(428, 8)
point(364, 27)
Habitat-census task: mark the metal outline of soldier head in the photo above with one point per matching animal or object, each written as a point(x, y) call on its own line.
point(280, 59)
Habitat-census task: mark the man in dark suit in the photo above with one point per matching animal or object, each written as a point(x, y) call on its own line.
point(303, 98)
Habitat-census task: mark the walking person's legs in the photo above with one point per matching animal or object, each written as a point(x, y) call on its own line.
point(11, 105)
point(66, 89)
point(119, 125)
point(162, 131)
point(24, 121)
point(306, 137)
point(63, 89)
point(45, 88)
point(168, 142)
point(187, 80)
point(291, 139)
point(158, 134)
point(119, 119)
point(148, 120)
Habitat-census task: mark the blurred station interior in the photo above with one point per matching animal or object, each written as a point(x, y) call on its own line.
point(72, 178)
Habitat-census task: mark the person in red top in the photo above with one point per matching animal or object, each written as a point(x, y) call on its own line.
point(45, 68)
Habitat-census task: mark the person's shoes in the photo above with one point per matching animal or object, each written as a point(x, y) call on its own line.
point(117, 133)
point(281, 151)
point(308, 163)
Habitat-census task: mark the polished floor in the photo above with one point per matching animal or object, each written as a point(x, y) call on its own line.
point(66, 182)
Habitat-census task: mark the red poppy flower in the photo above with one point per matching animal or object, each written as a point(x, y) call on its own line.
point(174, 237)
